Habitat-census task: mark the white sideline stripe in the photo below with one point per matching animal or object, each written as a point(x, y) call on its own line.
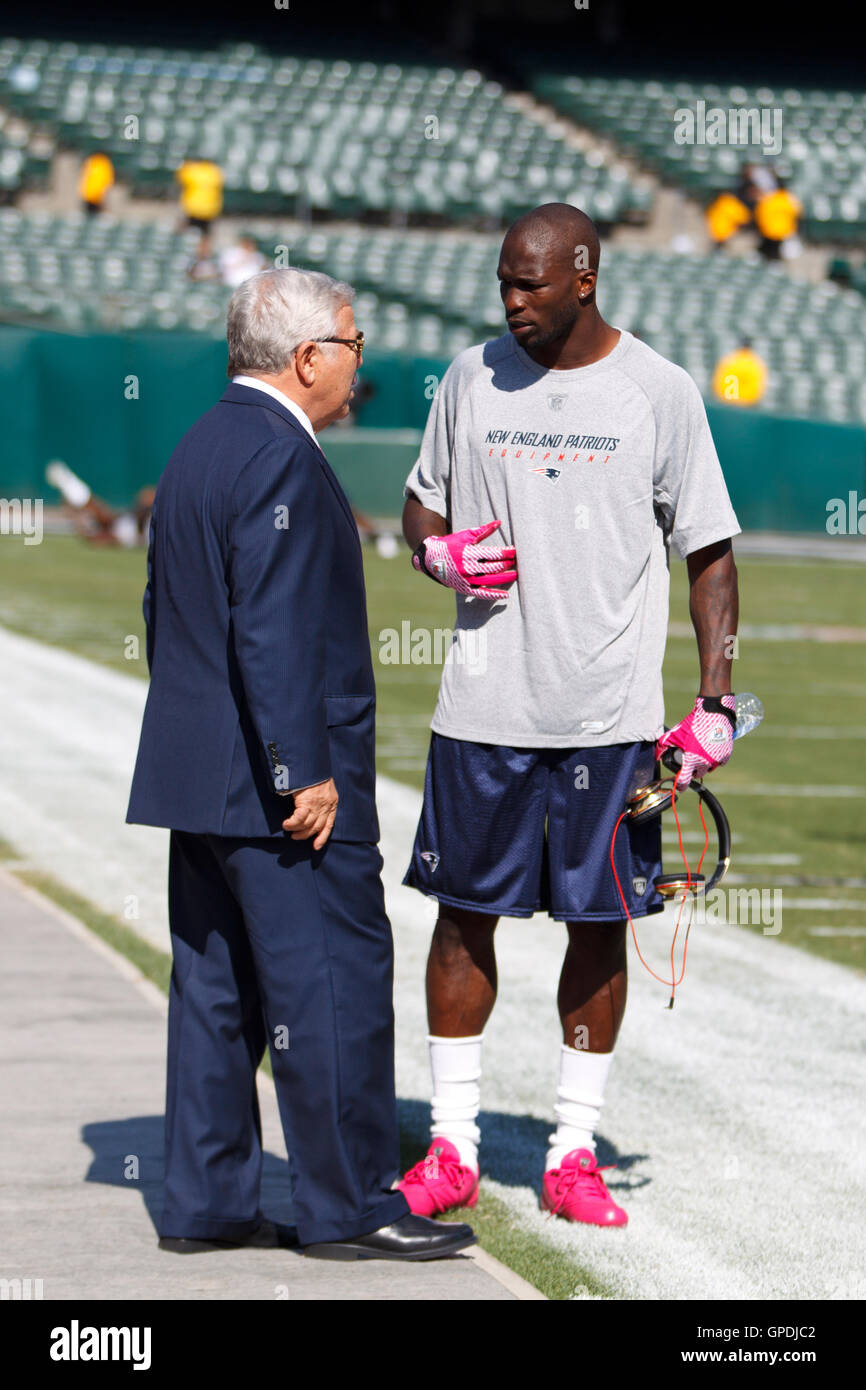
point(673, 1109)
point(506, 1277)
point(784, 546)
point(519, 1287)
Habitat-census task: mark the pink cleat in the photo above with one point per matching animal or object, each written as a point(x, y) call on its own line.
point(439, 1181)
point(577, 1191)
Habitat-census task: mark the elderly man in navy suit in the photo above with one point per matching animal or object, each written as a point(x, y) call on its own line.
point(257, 751)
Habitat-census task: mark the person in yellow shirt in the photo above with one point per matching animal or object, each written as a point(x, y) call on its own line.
point(201, 192)
point(776, 216)
point(741, 377)
point(725, 215)
point(97, 176)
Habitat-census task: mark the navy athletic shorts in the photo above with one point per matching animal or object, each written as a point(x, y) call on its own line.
point(513, 831)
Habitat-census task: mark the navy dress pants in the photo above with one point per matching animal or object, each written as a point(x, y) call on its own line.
point(276, 944)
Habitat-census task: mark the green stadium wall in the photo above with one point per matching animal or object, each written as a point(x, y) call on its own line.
point(73, 397)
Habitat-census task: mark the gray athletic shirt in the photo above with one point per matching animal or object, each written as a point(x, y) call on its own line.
point(594, 474)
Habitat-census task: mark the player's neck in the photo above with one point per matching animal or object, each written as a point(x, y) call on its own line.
point(589, 341)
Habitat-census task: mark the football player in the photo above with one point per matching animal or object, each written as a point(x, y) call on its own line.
point(560, 464)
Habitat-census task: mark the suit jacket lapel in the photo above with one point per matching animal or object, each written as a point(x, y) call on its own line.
point(247, 395)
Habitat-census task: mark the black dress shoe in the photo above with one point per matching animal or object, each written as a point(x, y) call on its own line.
point(411, 1238)
point(268, 1236)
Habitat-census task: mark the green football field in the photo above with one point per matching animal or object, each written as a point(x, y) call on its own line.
point(795, 791)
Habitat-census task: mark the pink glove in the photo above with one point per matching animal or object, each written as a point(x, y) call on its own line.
point(458, 563)
point(706, 736)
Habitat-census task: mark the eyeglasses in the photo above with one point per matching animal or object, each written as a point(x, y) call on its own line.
point(356, 344)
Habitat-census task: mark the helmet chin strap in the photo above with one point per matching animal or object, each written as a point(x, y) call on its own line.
point(649, 802)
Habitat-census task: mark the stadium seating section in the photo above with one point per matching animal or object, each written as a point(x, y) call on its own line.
point(432, 294)
point(354, 142)
point(345, 137)
point(823, 146)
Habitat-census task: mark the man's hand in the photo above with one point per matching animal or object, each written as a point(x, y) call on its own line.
point(314, 813)
point(706, 736)
point(458, 562)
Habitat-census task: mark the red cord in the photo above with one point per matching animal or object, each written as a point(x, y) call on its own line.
point(672, 982)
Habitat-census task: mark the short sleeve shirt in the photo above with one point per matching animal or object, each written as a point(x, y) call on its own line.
point(594, 475)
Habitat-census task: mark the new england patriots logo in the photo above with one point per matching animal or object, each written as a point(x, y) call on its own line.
point(551, 473)
point(431, 858)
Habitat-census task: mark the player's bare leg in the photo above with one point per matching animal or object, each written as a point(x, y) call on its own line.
point(461, 992)
point(593, 985)
point(461, 973)
point(591, 998)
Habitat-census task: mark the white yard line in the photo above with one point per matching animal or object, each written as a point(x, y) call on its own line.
point(791, 789)
point(813, 731)
point(764, 858)
point(783, 632)
point(826, 904)
point(735, 1117)
point(837, 931)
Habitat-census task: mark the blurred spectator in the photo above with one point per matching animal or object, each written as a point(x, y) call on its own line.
point(237, 263)
point(725, 215)
point(204, 264)
point(777, 215)
point(231, 266)
point(385, 541)
point(97, 176)
point(741, 377)
point(755, 181)
point(96, 521)
point(201, 192)
point(746, 190)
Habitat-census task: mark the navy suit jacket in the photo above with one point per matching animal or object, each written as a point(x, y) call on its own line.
point(257, 641)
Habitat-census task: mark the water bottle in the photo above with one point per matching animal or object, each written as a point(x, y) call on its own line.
point(749, 711)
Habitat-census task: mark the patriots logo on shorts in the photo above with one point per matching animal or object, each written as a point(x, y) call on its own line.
point(431, 858)
point(639, 886)
point(551, 473)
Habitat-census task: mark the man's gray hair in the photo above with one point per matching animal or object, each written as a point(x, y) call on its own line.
point(272, 313)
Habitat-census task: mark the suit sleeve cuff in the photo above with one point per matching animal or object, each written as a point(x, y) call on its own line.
point(288, 777)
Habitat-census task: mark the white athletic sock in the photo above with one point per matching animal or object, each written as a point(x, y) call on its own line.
point(456, 1067)
point(579, 1098)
